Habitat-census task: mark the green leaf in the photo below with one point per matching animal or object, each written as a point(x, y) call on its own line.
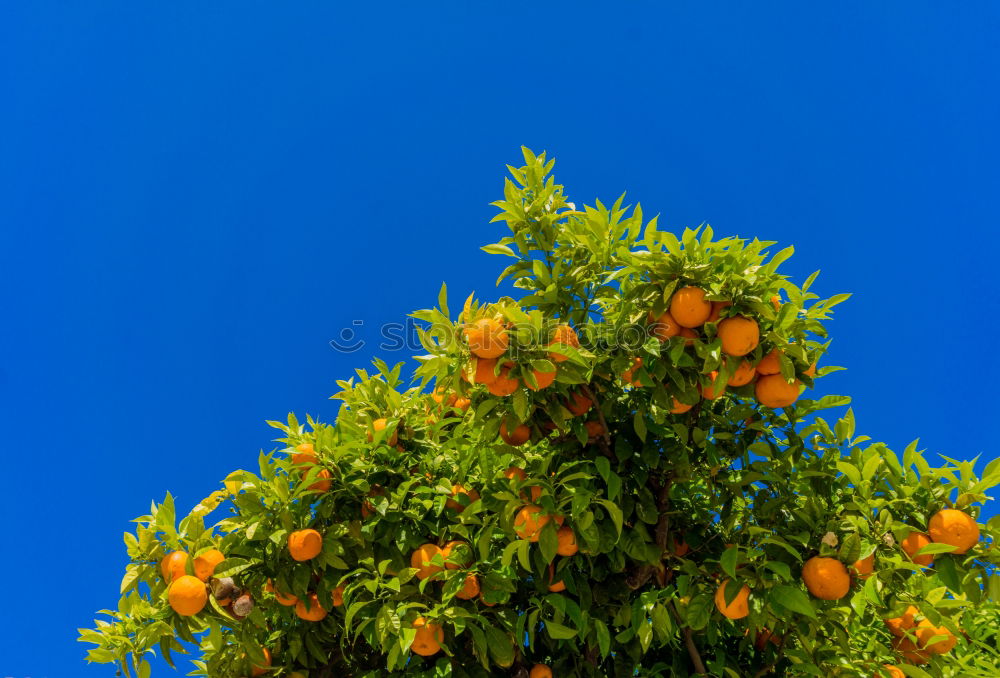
point(728, 560)
point(793, 600)
point(699, 611)
point(558, 631)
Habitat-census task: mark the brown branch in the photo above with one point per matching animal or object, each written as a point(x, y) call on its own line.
point(699, 665)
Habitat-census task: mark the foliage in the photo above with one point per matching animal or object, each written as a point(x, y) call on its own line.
point(664, 505)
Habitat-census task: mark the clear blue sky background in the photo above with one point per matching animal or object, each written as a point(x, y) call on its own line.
point(195, 197)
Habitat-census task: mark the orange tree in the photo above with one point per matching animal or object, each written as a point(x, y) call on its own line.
point(622, 473)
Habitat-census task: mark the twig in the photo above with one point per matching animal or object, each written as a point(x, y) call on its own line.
point(699, 665)
point(597, 406)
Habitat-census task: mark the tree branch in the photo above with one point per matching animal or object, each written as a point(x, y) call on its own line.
point(699, 665)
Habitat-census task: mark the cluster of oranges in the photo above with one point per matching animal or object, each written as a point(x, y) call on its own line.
point(829, 579)
point(186, 593)
point(739, 336)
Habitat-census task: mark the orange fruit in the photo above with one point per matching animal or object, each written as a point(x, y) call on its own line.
point(681, 547)
point(710, 392)
point(689, 308)
point(457, 555)
point(305, 544)
point(739, 335)
point(689, 336)
point(664, 326)
point(891, 671)
point(557, 587)
point(540, 671)
point(323, 482)
point(567, 542)
point(462, 404)
point(679, 407)
point(470, 589)
point(566, 336)
point(542, 380)
point(421, 559)
point(337, 595)
point(262, 669)
point(304, 455)
point(173, 565)
point(439, 395)
point(898, 626)
point(770, 363)
point(380, 425)
point(717, 307)
point(926, 631)
point(285, 599)
point(628, 376)
point(314, 612)
point(503, 384)
point(578, 404)
point(595, 429)
point(773, 391)
point(205, 564)
point(738, 608)
point(529, 522)
point(913, 543)
point(471, 496)
point(519, 436)
point(910, 651)
point(487, 338)
point(187, 595)
point(864, 567)
point(950, 526)
point(826, 578)
point(515, 472)
point(482, 371)
point(743, 375)
point(429, 637)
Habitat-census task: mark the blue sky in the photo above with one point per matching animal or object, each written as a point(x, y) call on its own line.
point(195, 198)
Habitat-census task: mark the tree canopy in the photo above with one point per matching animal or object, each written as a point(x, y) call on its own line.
point(624, 472)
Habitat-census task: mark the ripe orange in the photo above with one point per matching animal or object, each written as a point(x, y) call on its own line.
point(262, 669)
point(380, 425)
point(204, 565)
point(664, 326)
point(515, 472)
point(681, 547)
point(305, 544)
point(628, 376)
point(429, 637)
point(864, 567)
point(487, 338)
point(689, 336)
point(557, 587)
point(286, 599)
point(457, 555)
point(542, 379)
point(578, 404)
point(187, 595)
point(739, 608)
point(891, 671)
point(470, 589)
point(173, 565)
point(482, 371)
point(567, 542)
point(679, 407)
point(338, 596)
point(910, 651)
point(739, 335)
point(743, 375)
point(503, 384)
point(594, 428)
point(540, 671)
point(421, 559)
point(926, 632)
point(566, 336)
point(530, 520)
point(770, 364)
point(689, 308)
point(950, 526)
point(913, 543)
point(439, 395)
point(773, 391)
point(898, 626)
point(304, 455)
point(717, 307)
point(519, 436)
point(314, 612)
point(470, 495)
point(462, 404)
point(826, 578)
point(708, 392)
point(323, 482)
